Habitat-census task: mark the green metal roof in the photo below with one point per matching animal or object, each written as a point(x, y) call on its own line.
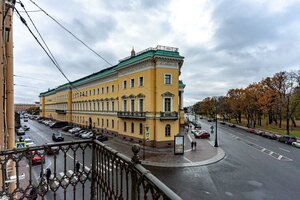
point(181, 84)
point(157, 52)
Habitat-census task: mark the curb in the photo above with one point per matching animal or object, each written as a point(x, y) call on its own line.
point(220, 155)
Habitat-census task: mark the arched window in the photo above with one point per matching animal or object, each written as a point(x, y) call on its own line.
point(168, 130)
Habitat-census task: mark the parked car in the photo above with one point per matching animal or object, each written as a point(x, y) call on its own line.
point(296, 144)
point(287, 139)
point(26, 128)
point(259, 132)
point(202, 134)
point(251, 130)
point(269, 135)
point(58, 124)
point(57, 137)
point(20, 131)
point(74, 130)
point(209, 120)
point(87, 135)
point(222, 122)
point(52, 150)
point(37, 157)
point(197, 126)
point(102, 138)
point(194, 131)
point(232, 125)
point(67, 128)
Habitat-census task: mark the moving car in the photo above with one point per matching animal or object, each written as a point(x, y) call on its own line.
point(20, 131)
point(57, 137)
point(26, 128)
point(37, 157)
point(194, 131)
point(287, 139)
point(102, 138)
point(296, 144)
point(202, 134)
point(52, 150)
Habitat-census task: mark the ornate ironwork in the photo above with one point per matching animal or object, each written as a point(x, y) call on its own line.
point(84, 169)
point(136, 115)
point(168, 115)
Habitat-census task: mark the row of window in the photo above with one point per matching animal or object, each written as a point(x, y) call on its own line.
point(80, 119)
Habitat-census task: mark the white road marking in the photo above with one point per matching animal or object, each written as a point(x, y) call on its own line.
point(271, 153)
point(187, 159)
point(279, 158)
point(284, 149)
point(252, 138)
point(190, 138)
point(263, 150)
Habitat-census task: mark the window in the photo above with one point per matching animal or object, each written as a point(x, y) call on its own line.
point(98, 121)
point(94, 92)
point(102, 90)
point(124, 84)
point(107, 89)
point(112, 123)
point(94, 106)
point(124, 126)
point(90, 106)
point(102, 106)
point(112, 88)
point(141, 81)
point(132, 83)
point(112, 106)
point(141, 105)
point(141, 129)
point(98, 105)
point(98, 91)
point(125, 105)
point(107, 105)
point(132, 105)
point(168, 130)
point(168, 79)
point(167, 104)
point(90, 92)
point(132, 127)
point(107, 123)
point(102, 122)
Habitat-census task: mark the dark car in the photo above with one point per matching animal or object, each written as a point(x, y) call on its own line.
point(202, 134)
point(251, 130)
point(57, 137)
point(232, 125)
point(52, 150)
point(66, 128)
point(287, 139)
point(102, 138)
point(198, 126)
point(26, 128)
point(58, 124)
point(222, 122)
point(209, 120)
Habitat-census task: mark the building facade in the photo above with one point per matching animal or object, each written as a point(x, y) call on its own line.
point(140, 98)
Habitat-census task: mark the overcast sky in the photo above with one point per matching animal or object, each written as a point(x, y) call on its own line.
point(226, 43)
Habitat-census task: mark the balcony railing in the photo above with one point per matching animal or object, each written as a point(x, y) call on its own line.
point(60, 111)
point(85, 169)
point(136, 115)
point(168, 115)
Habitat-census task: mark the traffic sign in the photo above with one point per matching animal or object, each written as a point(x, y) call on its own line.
point(147, 140)
point(21, 145)
point(212, 127)
point(147, 132)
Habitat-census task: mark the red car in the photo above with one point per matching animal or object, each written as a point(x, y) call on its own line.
point(37, 157)
point(202, 134)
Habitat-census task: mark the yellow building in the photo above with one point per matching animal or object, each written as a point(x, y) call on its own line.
point(138, 99)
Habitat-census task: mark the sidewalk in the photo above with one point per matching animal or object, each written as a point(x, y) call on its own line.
point(204, 154)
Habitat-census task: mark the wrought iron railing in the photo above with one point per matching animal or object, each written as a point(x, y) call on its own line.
point(168, 115)
point(137, 115)
point(85, 169)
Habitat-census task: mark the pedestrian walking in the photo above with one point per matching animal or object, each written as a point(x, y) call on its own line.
point(77, 166)
point(192, 145)
point(195, 145)
point(33, 193)
point(48, 174)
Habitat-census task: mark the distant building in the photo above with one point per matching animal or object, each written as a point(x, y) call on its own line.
point(19, 107)
point(138, 99)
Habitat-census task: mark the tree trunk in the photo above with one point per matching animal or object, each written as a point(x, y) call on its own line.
point(293, 121)
point(287, 115)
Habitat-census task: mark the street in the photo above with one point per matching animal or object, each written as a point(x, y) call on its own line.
point(254, 168)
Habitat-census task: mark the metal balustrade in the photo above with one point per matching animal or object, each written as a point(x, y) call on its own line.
point(136, 115)
point(168, 115)
point(100, 173)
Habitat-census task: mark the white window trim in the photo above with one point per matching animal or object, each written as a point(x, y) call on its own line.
point(139, 104)
point(133, 105)
point(140, 82)
point(171, 104)
point(165, 79)
point(131, 83)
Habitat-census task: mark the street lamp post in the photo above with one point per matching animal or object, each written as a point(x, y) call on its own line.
point(216, 136)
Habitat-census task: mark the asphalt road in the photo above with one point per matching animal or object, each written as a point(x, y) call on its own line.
point(254, 168)
point(64, 162)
